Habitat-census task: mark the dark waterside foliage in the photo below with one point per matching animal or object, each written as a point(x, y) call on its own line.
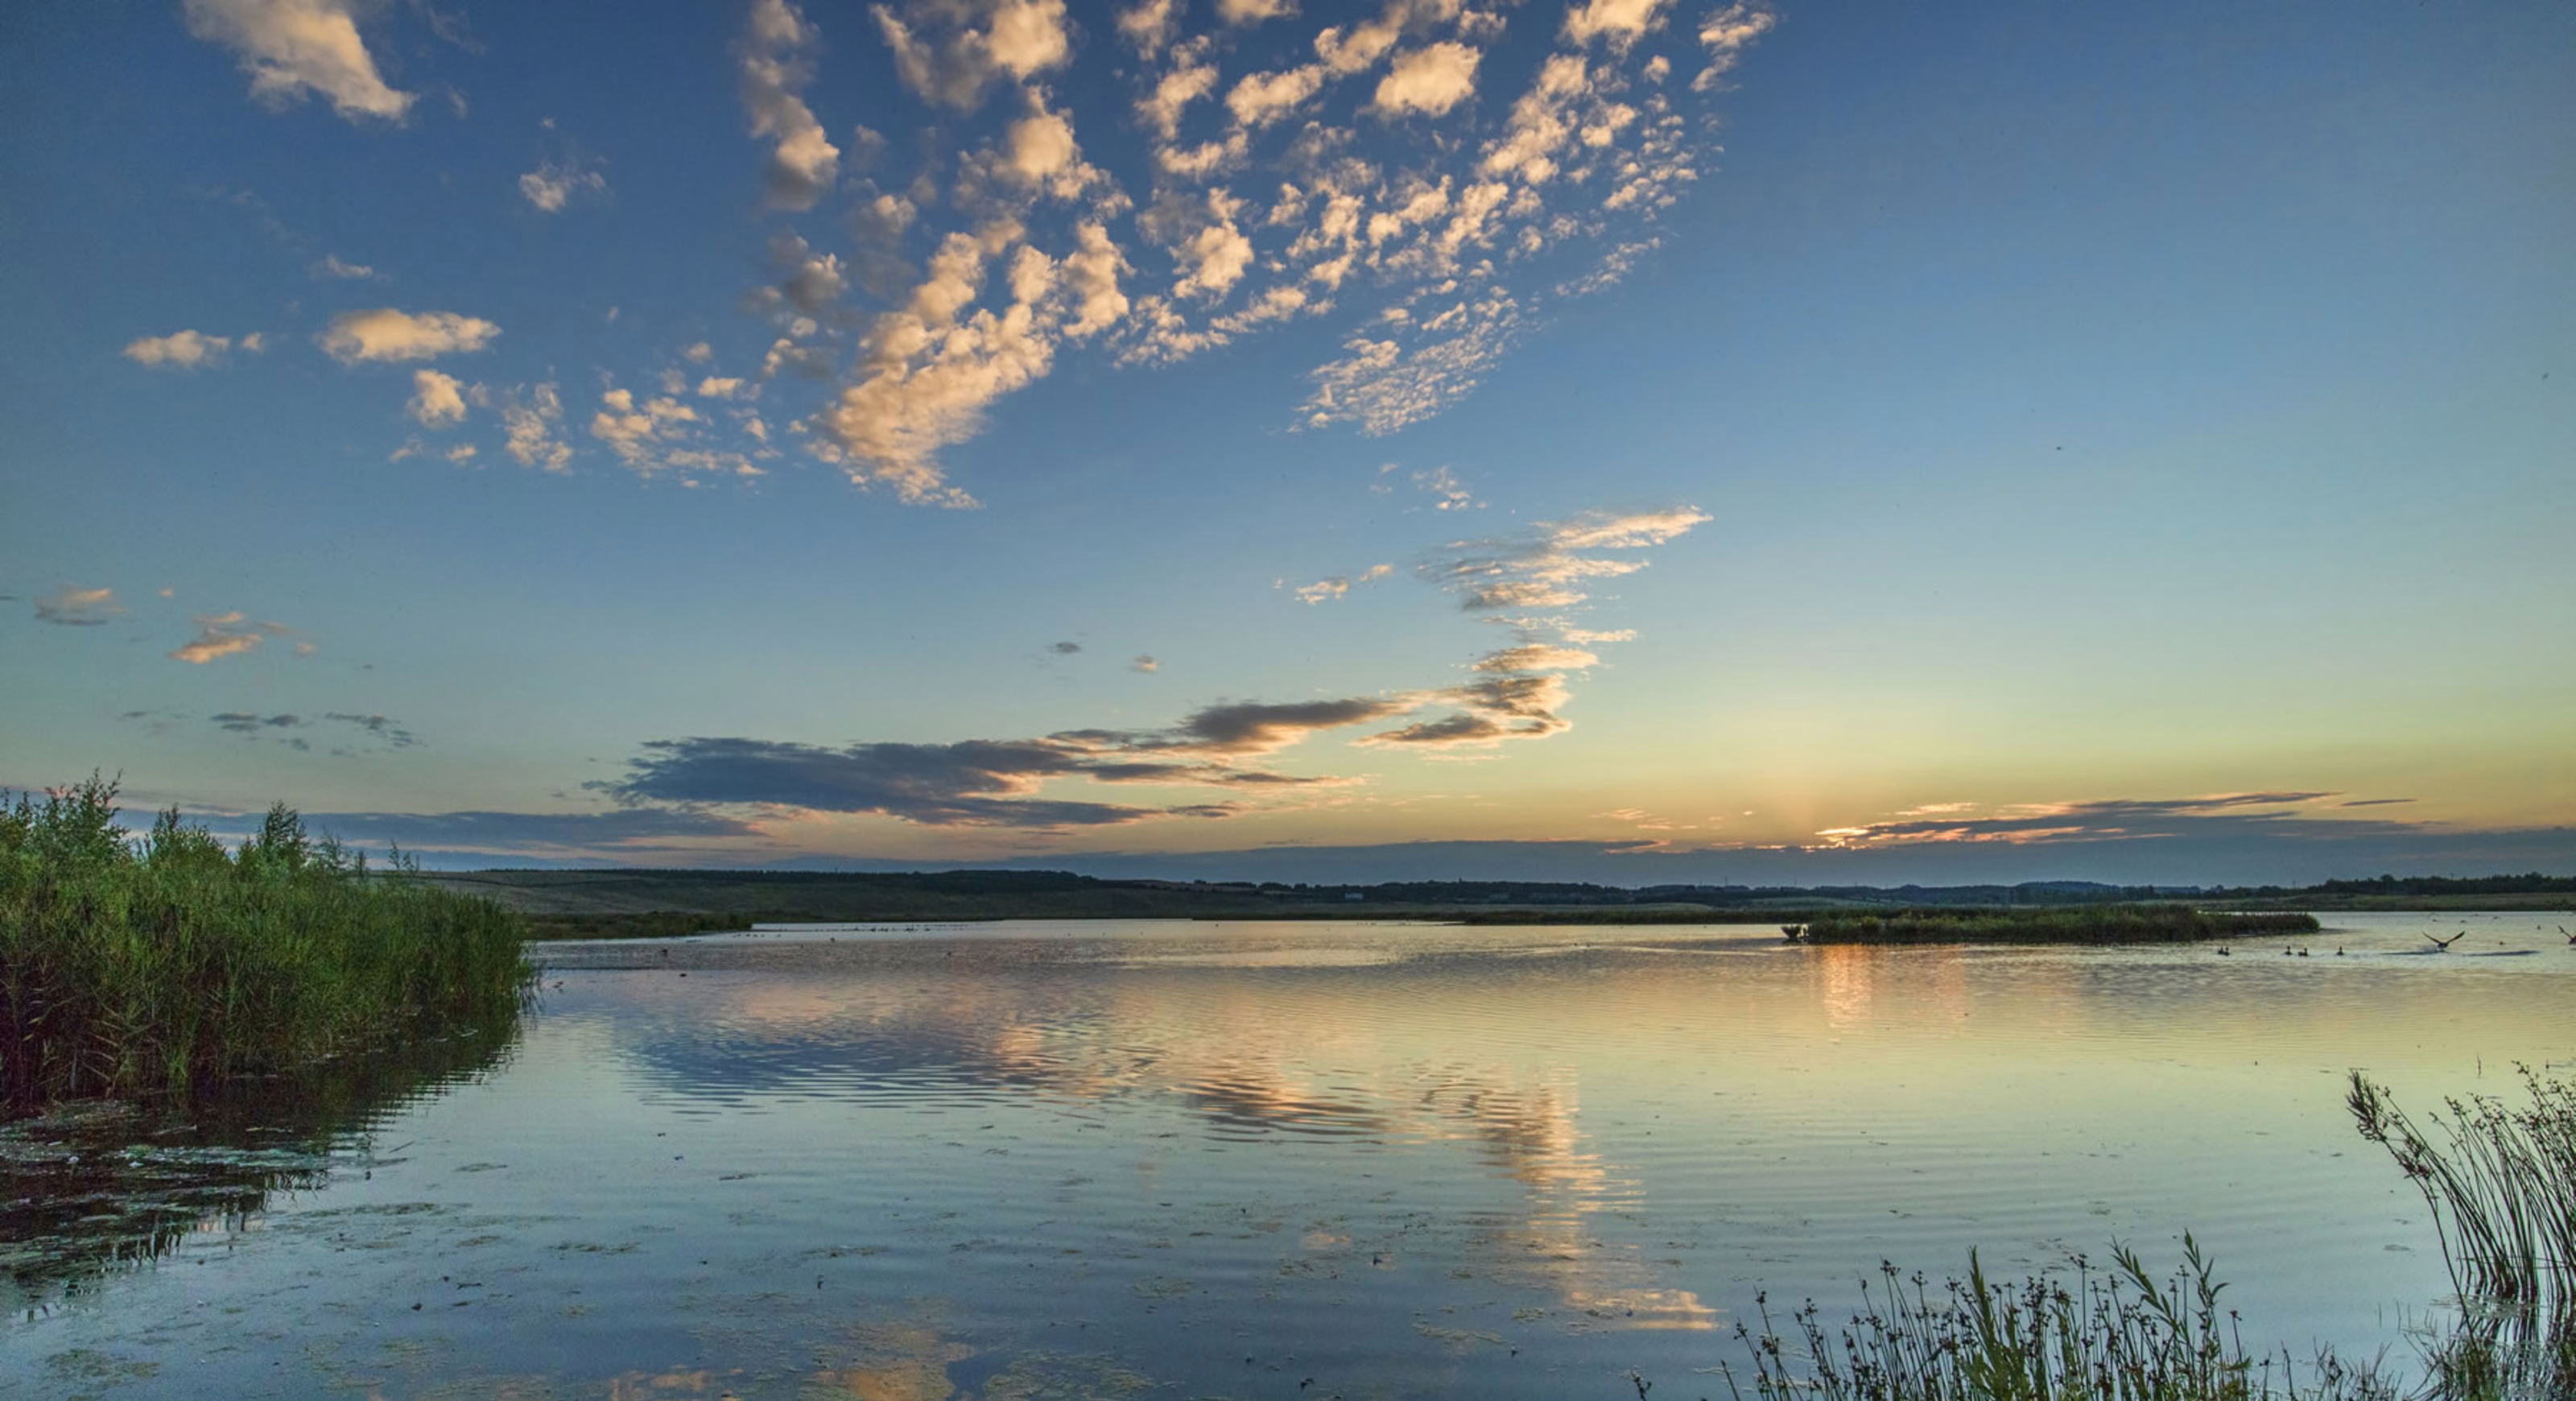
point(2502, 1187)
point(94, 1187)
point(166, 967)
point(2085, 924)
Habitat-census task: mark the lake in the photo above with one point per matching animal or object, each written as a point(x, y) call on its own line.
point(1302, 1160)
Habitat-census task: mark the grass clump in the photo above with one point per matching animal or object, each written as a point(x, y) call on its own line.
point(2501, 1184)
point(2118, 1336)
point(2076, 924)
point(166, 966)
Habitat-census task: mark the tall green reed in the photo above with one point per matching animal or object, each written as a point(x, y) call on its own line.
point(165, 966)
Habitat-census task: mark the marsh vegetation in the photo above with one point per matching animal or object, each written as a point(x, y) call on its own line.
point(2501, 1185)
point(2077, 924)
point(165, 968)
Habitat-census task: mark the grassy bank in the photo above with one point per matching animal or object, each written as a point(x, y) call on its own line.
point(2501, 1183)
point(166, 966)
point(2077, 924)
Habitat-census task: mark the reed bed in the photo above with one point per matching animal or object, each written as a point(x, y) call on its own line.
point(2501, 1186)
point(2080, 924)
point(166, 966)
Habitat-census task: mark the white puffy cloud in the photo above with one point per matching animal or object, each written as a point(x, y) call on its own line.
point(1619, 22)
point(1091, 272)
point(1429, 80)
point(294, 47)
point(932, 367)
point(803, 162)
point(1214, 258)
point(1262, 98)
point(718, 387)
point(186, 350)
point(531, 423)
point(1185, 83)
point(1254, 11)
point(1726, 34)
point(1148, 25)
point(950, 51)
point(385, 334)
point(437, 400)
point(551, 186)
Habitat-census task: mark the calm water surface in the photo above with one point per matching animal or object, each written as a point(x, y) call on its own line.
point(1312, 1160)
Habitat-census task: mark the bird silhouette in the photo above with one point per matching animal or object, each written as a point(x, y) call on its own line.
point(2444, 945)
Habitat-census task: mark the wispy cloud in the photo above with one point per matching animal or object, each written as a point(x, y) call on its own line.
point(1515, 692)
point(222, 635)
point(291, 48)
point(72, 606)
point(2277, 814)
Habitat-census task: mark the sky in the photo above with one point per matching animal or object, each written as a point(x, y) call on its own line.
point(1633, 440)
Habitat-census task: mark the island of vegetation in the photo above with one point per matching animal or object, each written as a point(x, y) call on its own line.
point(167, 967)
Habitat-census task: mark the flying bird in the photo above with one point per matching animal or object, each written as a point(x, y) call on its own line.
point(2444, 945)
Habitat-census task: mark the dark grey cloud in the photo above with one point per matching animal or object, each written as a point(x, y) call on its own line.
point(503, 831)
point(244, 723)
point(996, 783)
point(74, 607)
point(1064, 649)
point(383, 730)
point(977, 783)
point(390, 732)
point(2272, 814)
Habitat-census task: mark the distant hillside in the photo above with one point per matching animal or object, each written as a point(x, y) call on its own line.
point(662, 902)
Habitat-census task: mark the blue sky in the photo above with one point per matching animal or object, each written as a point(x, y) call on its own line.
point(2028, 442)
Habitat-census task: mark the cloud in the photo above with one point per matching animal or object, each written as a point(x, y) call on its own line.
point(1383, 385)
point(960, 286)
point(1453, 494)
point(1619, 22)
point(661, 434)
point(225, 635)
point(74, 607)
point(384, 334)
point(390, 733)
point(331, 267)
point(1429, 80)
point(550, 186)
point(244, 723)
point(1254, 11)
point(1339, 585)
point(950, 51)
point(1550, 566)
point(1146, 663)
point(2272, 813)
point(1262, 98)
point(294, 47)
point(437, 400)
point(532, 424)
point(803, 162)
point(971, 784)
point(1064, 649)
point(527, 831)
point(185, 350)
point(1726, 34)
